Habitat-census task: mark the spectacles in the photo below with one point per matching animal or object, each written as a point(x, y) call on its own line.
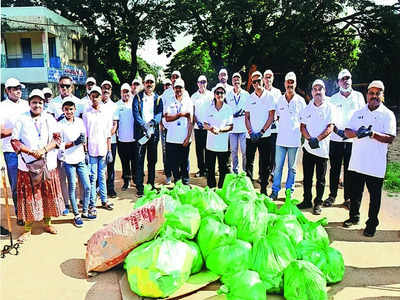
point(18, 88)
point(174, 76)
point(256, 81)
point(202, 81)
point(372, 94)
point(106, 88)
point(90, 83)
point(136, 83)
point(219, 93)
point(65, 86)
point(178, 87)
point(149, 82)
point(345, 78)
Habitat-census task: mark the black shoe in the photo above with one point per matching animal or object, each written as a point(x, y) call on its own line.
point(139, 194)
point(20, 223)
point(369, 231)
point(4, 231)
point(317, 209)
point(112, 194)
point(304, 205)
point(328, 202)
point(350, 222)
point(125, 186)
point(347, 203)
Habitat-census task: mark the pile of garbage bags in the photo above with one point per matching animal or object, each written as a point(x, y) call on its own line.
point(240, 235)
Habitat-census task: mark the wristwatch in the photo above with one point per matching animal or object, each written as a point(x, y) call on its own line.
point(262, 131)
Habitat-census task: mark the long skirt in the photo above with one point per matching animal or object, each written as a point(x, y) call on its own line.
point(47, 200)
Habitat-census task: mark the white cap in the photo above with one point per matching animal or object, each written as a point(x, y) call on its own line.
point(149, 77)
point(137, 80)
point(106, 82)
point(90, 79)
point(376, 84)
point(179, 82)
point(223, 71)
point(318, 82)
point(46, 90)
point(220, 85)
point(343, 73)
point(201, 77)
point(236, 75)
point(290, 76)
point(125, 86)
point(256, 73)
point(268, 72)
point(167, 81)
point(95, 88)
point(177, 73)
point(13, 82)
point(36, 92)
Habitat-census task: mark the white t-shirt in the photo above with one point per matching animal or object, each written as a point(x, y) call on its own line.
point(111, 108)
point(178, 129)
point(259, 108)
point(238, 102)
point(9, 112)
point(70, 131)
point(36, 134)
point(98, 128)
point(167, 98)
point(148, 107)
point(219, 119)
point(368, 156)
point(126, 121)
point(276, 93)
point(345, 107)
point(289, 134)
point(201, 102)
point(316, 119)
point(55, 106)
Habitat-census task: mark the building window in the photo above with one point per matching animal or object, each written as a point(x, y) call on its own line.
point(77, 50)
point(26, 47)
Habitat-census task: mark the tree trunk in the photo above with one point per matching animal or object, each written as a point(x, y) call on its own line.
point(134, 64)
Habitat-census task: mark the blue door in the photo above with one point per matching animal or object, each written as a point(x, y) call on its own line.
point(26, 49)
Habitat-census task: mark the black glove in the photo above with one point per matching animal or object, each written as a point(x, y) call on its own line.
point(109, 157)
point(363, 132)
point(87, 159)
point(200, 125)
point(314, 143)
point(80, 140)
point(62, 116)
point(273, 126)
point(239, 113)
point(340, 133)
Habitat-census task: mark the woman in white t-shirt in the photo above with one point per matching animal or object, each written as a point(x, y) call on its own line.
point(218, 122)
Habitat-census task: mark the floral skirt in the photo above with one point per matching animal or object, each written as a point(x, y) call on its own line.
point(46, 201)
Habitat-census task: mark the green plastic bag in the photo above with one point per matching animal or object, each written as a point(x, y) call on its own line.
point(250, 218)
point(184, 221)
point(314, 231)
point(290, 208)
point(288, 224)
point(159, 268)
point(327, 259)
point(198, 259)
point(213, 234)
point(244, 285)
point(148, 195)
point(270, 256)
point(237, 187)
point(169, 202)
point(270, 204)
point(179, 190)
point(304, 281)
point(230, 258)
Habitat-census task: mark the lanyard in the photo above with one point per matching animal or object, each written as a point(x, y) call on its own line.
point(38, 129)
point(236, 100)
point(178, 107)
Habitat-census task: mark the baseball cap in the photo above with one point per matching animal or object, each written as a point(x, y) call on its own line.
point(344, 73)
point(137, 80)
point(149, 77)
point(13, 82)
point(318, 82)
point(223, 71)
point(201, 78)
point(236, 75)
point(36, 93)
point(46, 90)
point(268, 72)
point(167, 81)
point(95, 88)
point(179, 82)
point(177, 73)
point(219, 85)
point(125, 86)
point(106, 82)
point(376, 84)
point(290, 76)
point(90, 79)
point(256, 73)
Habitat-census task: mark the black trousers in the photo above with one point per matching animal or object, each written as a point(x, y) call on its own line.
point(338, 153)
point(271, 159)
point(111, 171)
point(374, 186)
point(200, 136)
point(178, 157)
point(311, 162)
point(223, 168)
point(264, 146)
point(151, 148)
point(127, 152)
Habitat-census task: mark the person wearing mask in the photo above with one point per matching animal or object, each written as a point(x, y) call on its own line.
point(179, 116)
point(316, 124)
point(237, 99)
point(202, 100)
point(218, 123)
point(147, 110)
point(372, 127)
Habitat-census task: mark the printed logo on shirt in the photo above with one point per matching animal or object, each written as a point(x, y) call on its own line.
point(360, 117)
point(253, 103)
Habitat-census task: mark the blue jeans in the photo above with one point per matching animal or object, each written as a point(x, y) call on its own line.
point(280, 156)
point(97, 165)
point(235, 140)
point(83, 175)
point(11, 159)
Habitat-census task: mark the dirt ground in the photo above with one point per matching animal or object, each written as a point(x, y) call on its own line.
point(52, 266)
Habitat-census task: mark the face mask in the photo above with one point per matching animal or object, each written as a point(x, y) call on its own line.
point(348, 90)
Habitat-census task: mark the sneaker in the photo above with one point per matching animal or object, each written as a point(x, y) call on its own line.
point(273, 196)
point(369, 231)
point(4, 231)
point(304, 205)
point(328, 202)
point(66, 211)
point(88, 216)
point(107, 205)
point(92, 211)
point(78, 221)
point(350, 222)
point(139, 194)
point(317, 209)
point(347, 203)
point(168, 180)
point(125, 186)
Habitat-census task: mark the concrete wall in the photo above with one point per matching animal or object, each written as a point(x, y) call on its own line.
point(13, 44)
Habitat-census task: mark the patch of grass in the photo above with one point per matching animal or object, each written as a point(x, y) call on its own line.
point(392, 178)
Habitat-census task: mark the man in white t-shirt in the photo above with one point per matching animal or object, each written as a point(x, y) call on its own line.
point(288, 108)
point(90, 82)
point(202, 100)
point(259, 115)
point(48, 97)
point(346, 102)
point(223, 79)
point(237, 99)
point(179, 116)
point(317, 121)
point(372, 127)
point(127, 150)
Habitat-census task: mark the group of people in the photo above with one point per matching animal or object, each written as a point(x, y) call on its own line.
point(62, 138)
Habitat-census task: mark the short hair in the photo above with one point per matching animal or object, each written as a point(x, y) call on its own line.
point(68, 103)
point(65, 77)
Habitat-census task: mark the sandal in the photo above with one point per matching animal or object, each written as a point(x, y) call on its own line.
point(108, 206)
point(50, 229)
point(24, 237)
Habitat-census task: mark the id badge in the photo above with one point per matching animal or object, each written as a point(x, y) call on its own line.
point(179, 123)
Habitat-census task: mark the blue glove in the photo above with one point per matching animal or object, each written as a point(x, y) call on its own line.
point(109, 157)
point(340, 133)
point(239, 113)
point(255, 136)
point(87, 159)
point(314, 143)
point(200, 125)
point(363, 132)
point(80, 140)
point(62, 116)
point(273, 126)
